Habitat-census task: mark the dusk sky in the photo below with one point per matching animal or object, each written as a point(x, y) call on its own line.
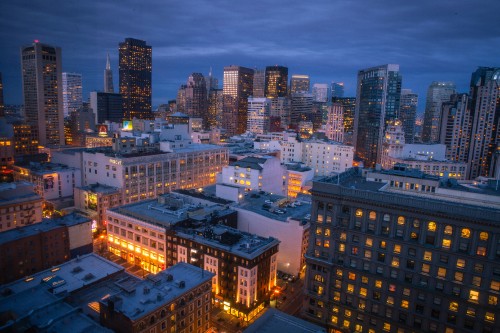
point(329, 40)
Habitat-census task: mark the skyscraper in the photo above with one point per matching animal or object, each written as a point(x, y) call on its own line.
point(106, 106)
point(377, 103)
point(299, 84)
point(485, 106)
point(276, 81)
point(135, 78)
point(349, 108)
point(301, 108)
point(258, 115)
point(437, 93)
point(72, 92)
point(335, 122)
point(237, 87)
point(108, 77)
point(337, 89)
point(215, 108)
point(408, 113)
point(455, 129)
point(42, 91)
point(196, 98)
point(2, 112)
point(320, 92)
point(259, 82)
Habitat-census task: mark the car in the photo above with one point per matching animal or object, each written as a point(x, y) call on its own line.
point(279, 211)
point(268, 201)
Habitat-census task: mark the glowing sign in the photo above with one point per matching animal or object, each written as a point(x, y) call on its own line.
point(113, 161)
point(103, 130)
point(127, 125)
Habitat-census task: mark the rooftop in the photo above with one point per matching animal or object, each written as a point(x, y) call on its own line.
point(67, 277)
point(11, 193)
point(44, 167)
point(158, 290)
point(267, 204)
point(276, 321)
point(44, 226)
point(250, 162)
point(100, 188)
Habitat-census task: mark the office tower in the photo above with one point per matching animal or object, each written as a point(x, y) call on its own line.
point(2, 112)
point(215, 108)
point(72, 92)
point(80, 123)
point(349, 105)
point(401, 251)
point(181, 99)
point(237, 87)
point(485, 106)
point(299, 84)
point(106, 106)
point(280, 113)
point(300, 108)
point(259, 110)
point(135, 78)
point(42, 90)
point(259, 82)
point(320, 92)
point(377, 103)
point(408, 113)
point(437, 93)
point(335, 122)
point(276, 81)
point(108, 77)
point(337, 89)
point(455, 129)
point(196, 98)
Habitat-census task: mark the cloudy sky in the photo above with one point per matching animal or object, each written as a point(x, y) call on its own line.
point(432, 40)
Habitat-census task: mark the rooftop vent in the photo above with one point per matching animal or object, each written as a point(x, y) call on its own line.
point(180, 284)
point(170, 277)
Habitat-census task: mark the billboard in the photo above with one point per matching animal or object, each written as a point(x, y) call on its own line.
point(127, 125)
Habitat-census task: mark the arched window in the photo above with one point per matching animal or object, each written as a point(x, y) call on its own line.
point(483, 236)
point(372, 215)
point(401, 220)
point(359, 213)
point(387, 217)
point(416, 223)
point(465, 233)
point(431, 226)
point(319, 278)
point(448, 230)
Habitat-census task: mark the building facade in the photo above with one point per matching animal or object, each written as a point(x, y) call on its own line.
point(95, 199)
point(135, 65)
point(320, 92)
point(72, 92)
point(437, 93)
point(42, 92)
point(400, 251)
point(196, 98)
point(19, 205)
point(237, 87)
point(300, 84)
point(108, 77)
point(259, 83)
point(259, 110)
point(456, 127)
point(408, 113)
point(335, 123)
point(377, 103)
point(338, 89)
point(276, 84)
point(349, 105)
point(106, 106)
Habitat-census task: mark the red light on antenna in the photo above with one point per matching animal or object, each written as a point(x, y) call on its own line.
point(36, 40)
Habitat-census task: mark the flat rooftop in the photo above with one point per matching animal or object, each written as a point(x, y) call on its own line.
point(100, 188)
point(44, 226)
point(232, 240)
point(273, 321)
point(255, 201)
point(42, 168)
point(67, 277)
point(158, 290)
point(12, 193)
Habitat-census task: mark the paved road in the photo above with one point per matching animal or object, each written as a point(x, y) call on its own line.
point(292, 298)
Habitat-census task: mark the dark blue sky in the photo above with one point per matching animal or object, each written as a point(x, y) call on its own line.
point(328, 39)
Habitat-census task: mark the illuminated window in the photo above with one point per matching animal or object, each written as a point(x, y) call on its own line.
point(369, 242)
point(343, 237)
point(492, 300)
point(473, 296)
point(319, 278)
point(401, 220)
point(397, 248)
point(453, 306)
point(335, 320)
point(362, 292)
point(448, 230)
point(319, 231)
point(426, 268)
point(428, 256)
point(364, 279)
point(378, 284)
point(459, 276)
point(359, 213)
point(476, 281)
point(460, 263)
point(368, 254)
point(431, 226)
point(441, 272)
point(372, 215)
point(352, 276)
point(350, 288)
point(495, 285)
point(416, 223)
point(483, 236)
point(348, 313)
point(489, 316)
point(339, 272)
point(327, 232)
point(395, 262)
point(387, 327)
point(346, 323)
point(481, 251)
point(326, 243)
point(446, 243)
point(465, 233)
point(471, 312)
point(320, 290)
point(404, 304)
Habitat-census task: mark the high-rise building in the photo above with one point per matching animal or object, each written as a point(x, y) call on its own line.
point(106, 106)
point(196, 98)
point(455, 129)
point(300, 84)
point(2, 112)
point(237, 87)
point(349, 105)
point(258, 115)
point(135, 78)
point(215, 108)
point(377, 103)
point(335, 123)
point(402, 251)
point(301, 108)
point(42, 91)
point(320, 92)
point(259, 83)
point(437, 93)
point(72, 92)
point(280, 113)
point(211, 82)
point(485, 106)
point(276, 81)
point(337, 89)
point(108, 77)
point(408, 113)
point(181, 99)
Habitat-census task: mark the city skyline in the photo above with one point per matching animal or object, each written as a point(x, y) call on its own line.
point(445, 42)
